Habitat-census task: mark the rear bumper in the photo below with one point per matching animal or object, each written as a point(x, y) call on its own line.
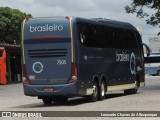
point(69, 90)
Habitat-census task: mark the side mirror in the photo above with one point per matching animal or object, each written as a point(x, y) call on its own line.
point(148, 49)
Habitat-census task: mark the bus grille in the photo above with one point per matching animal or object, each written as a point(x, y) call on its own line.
point(47, 53)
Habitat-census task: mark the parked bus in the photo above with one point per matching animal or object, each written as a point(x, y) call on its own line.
point(66, 57)
point(3, 73)
point(152, 64)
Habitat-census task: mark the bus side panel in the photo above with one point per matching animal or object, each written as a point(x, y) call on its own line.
point(3, 79)
point(116, 64)
point(103, 62)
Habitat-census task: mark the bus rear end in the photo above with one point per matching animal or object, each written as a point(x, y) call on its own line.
point(3, 72)
point(48, 69)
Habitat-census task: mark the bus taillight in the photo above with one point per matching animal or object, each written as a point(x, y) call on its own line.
point(27, 19)
point(73, 75)
point(24, 75)
point(67, 17)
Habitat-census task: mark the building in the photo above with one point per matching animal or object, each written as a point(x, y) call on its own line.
point(12, 62)
point(154, 44)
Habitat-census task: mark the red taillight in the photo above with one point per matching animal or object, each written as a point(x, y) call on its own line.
point(24, 75)
point(73, 76)
point(67, 17)
point(27, 19)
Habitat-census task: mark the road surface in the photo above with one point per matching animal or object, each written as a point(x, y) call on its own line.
point(12, 98)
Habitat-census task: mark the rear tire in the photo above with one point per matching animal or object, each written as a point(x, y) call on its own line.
point(94, 96)
point(47, 101)
point(101, 91)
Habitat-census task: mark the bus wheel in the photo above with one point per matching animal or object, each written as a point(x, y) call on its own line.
point(101, 91)
point(47, 100)
point(60, 99)
point(94, 96)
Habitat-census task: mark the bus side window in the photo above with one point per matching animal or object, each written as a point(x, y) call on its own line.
point(109, 37)
point(102, 37)
point(121, 39)
point(82, 33)
point(133, 41)
point(88, 34)
point(98, 37)
point(82, 38)
point(139, 42)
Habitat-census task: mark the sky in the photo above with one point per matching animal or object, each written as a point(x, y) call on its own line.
point(110, 9)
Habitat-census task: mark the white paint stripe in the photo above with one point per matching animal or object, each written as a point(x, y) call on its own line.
point(120, 87)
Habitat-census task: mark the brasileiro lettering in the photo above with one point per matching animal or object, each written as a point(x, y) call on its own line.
point(46, 28)
point(122, 56)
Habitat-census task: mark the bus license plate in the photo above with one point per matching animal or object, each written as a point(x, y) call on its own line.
point(48, 89)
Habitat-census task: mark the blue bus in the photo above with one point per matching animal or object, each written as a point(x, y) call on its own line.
point(66, 57)
point(152, 64)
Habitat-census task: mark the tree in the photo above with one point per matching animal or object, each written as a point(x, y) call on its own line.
point(10, 25)
point(137, 6)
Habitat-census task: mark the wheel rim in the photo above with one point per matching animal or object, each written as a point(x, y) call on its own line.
point(102, 89)
point(136, 85)
point(95, 90)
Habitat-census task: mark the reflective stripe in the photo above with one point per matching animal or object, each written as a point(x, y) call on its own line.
point(23, 42)
point(120, 87)
point(90, 91)
point(71, 32)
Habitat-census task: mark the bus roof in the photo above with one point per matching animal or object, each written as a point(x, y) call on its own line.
point(109, 22)
point(105, 21)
